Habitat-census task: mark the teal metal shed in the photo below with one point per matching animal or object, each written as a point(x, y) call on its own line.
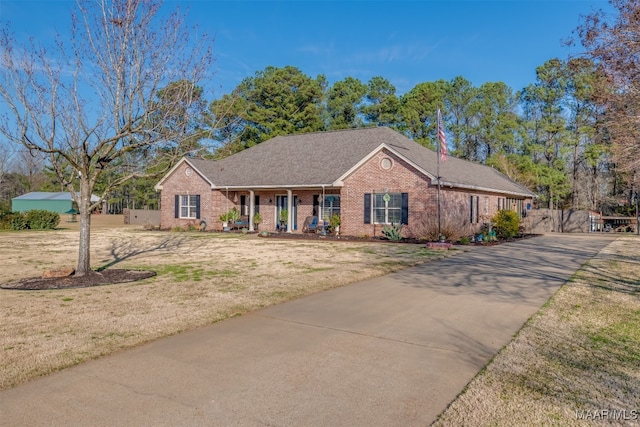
point(54, 202)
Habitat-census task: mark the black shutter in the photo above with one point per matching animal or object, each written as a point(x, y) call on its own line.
point(256, 204)
point(405, 209)
point(177, 206)
point(471, 209)
point(316, 204)
point(198, 206)
point(367, 208)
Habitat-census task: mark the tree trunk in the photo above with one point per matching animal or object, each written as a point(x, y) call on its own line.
point(84, 247)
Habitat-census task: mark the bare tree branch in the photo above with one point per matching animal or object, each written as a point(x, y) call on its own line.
point(613, 42)
point(90, 101)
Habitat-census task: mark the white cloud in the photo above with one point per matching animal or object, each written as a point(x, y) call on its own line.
point(319, 49)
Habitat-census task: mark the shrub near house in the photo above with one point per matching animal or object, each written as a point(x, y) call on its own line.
point(30, 220)
point(506, 224)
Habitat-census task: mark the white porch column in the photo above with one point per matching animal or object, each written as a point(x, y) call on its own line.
point(289, 210)
point(252, 209)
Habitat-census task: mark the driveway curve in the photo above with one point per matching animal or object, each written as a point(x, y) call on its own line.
point(394, 350)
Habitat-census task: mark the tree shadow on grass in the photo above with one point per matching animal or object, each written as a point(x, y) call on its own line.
point(104, 275)
point(121, 251)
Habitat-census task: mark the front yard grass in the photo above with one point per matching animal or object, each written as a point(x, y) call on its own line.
point(202, 278)
point(576, 362)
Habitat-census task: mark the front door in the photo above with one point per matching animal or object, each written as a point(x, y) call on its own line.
point(282, 203)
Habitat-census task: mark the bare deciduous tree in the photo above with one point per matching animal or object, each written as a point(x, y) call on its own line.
point(5, 158)
point(30, 163)
point(6, 155)
point(612, 42)
point(91, 101)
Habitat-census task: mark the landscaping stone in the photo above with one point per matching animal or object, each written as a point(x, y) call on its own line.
point(63, 272)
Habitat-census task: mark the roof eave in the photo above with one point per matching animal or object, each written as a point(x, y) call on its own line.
point(275, 186)
point(485, 189)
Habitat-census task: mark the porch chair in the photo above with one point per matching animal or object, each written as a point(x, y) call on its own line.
point(310, 224)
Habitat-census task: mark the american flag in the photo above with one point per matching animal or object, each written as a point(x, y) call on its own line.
point(442, 139)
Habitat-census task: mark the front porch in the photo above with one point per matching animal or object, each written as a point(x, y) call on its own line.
point(277, 210)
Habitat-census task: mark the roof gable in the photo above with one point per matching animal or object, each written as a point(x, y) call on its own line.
point(382, 147)
point(199, 165)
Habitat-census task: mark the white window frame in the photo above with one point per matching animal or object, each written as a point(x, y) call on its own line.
point(188, 206)
point(381, 207)
point(329, 206)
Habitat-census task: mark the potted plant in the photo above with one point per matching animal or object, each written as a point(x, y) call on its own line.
point(283, 218)
point(334, 223)
point(257, 219)
point(231, 215)
point(234, 215)
point(224, 218)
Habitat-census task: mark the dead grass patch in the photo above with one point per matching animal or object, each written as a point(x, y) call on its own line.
point(576, 362)
point(202, 278)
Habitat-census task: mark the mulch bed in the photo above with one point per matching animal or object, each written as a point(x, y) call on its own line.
point(343, 238)
point(105, 277)
point(334, 238)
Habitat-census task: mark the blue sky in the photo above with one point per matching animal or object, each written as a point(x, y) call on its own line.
point(407, 42)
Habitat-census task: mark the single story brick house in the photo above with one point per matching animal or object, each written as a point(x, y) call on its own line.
point(370, 177)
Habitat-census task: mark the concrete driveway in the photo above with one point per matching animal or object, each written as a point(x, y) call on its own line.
point(394, 350)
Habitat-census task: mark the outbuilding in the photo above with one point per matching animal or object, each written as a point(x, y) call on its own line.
point(60, 202)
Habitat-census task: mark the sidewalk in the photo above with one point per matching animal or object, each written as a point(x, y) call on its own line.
point(394, 350)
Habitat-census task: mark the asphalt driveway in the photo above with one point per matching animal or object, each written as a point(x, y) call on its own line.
point(394, 350)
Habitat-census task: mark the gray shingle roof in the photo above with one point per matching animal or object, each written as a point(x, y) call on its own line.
point(322, 158)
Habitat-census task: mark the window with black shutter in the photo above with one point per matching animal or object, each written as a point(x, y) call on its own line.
point(405, 208)
point(367, 208)
point(386, 208)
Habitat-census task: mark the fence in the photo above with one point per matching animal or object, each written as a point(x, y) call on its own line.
point(144, 217)
point(540, 221)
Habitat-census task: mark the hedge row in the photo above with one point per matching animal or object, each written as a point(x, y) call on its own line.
point(31, 220)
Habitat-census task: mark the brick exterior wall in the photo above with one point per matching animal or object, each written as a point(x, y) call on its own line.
point(214, 203)
point(371, 177)
point(178, 183)
point(455, 204)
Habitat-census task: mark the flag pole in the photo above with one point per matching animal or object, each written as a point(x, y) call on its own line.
point(441, 154)
point(438, 178)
